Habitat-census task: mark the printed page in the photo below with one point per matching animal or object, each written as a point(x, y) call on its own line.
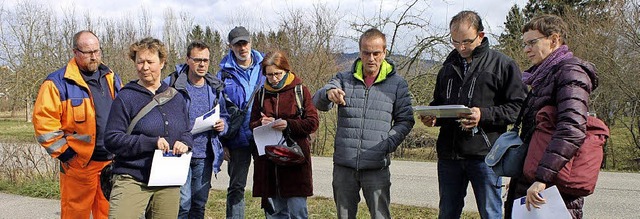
point(169, 170)
point(554, 208)
point(266, 135)
point(206, 121)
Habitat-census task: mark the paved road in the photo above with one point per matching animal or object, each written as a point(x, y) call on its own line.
point(414, 183)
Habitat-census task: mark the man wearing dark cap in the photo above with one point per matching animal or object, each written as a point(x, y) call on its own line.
point(240, 71)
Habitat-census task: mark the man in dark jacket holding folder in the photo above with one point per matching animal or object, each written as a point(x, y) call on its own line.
point(489, 83)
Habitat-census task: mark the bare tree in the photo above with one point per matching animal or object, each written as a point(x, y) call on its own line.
point(26, 48)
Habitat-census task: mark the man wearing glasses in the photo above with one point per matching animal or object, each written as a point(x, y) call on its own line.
point(490, 84)
point(203, 92)
point(69, 119)
point(240, 71)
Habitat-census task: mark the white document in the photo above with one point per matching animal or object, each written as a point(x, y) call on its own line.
point(169, 170)
point(554, 208)
point(266, 135)
point(206, 121)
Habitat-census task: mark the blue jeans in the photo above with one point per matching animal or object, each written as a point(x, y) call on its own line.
point(454, 177)
point(195, 192)
point(240, 159)
point(375, 185)
point(293, 207)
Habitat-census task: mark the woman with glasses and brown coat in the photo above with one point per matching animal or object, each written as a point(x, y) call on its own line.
point(284, 189)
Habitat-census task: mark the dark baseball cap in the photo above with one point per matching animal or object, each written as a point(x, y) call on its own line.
point(239, 33)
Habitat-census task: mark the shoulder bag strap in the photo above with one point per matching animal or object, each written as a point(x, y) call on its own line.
point(261, 99)
point(300, 99)
point(158, 99)
point(522, 109)
point(246, 107)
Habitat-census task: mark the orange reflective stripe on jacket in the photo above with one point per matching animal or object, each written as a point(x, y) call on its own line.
point(64, 115)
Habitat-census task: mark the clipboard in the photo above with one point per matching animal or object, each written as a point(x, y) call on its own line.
point(442, 111)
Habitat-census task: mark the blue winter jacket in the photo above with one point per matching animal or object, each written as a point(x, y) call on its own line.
point(239, 85)
point(178, 80)
point(373, 121)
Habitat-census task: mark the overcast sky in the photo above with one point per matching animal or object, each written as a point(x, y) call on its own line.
point(223, 15)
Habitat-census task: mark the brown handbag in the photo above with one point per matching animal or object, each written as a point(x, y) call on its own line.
point(579, 176)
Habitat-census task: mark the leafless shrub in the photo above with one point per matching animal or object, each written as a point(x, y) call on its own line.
point(25, 162)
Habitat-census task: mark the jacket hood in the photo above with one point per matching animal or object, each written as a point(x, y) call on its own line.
point(454, 56)
point(590, 69)
point(182, 67)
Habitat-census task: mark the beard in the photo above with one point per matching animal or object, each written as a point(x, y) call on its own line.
point(240, 57)
point(90, 67)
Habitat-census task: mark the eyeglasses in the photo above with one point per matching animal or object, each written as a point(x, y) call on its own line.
point(97, 52)
point(199, 60)
point(464, 42)
point(532, 42)
point(277, 74)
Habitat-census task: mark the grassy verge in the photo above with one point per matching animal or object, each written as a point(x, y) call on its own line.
point(39, 188)
point(319, 207)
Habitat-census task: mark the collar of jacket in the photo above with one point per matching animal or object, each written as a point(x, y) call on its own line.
point(72, 72)
point(183, 75)
point(387, 68)
point(133, 85)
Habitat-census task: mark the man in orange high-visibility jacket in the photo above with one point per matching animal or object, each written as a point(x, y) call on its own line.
point(69, 119)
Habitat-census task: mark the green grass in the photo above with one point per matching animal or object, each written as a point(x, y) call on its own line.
point(40, 188)
point(319, 207)
point(17, 131)
point(620, 150)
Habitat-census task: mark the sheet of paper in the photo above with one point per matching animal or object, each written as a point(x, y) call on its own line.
point(206, 121)
point(265, 135)
point(170, 170)
point(554, 208)
point(443, 111)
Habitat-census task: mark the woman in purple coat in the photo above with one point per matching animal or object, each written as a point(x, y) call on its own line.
point(559, 79)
